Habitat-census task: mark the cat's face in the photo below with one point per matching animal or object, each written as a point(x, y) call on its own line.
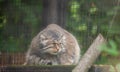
point(51, 45)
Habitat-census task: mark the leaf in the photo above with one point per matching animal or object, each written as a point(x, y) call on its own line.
point(110, 48)
point(93, 9)
point(118, 67)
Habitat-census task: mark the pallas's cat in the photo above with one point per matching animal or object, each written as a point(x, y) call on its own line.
point(53, 46)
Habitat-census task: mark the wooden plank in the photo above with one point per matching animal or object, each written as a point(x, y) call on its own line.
point(36, 68)
point(12, 59)
point(94, 68)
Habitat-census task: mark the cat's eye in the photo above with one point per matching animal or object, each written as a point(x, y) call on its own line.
point(45, 38)
point(60, 43)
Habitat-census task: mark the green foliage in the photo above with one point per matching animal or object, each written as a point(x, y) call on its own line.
point(88, 18)
point(112, 69)
point(93, 10)
point(12, 45)
point(110, 48)
point(118, 67)
point(28, 10)
point(19, 21)
point(74, 10)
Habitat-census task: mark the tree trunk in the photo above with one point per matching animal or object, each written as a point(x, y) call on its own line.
point(90, 56)
point(54, 11)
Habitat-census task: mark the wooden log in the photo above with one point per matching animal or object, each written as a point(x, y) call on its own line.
point(94, 68)
point(48, 68)
point(90, 56)
point(103, 68)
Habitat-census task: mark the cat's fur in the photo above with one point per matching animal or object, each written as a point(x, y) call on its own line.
point(53, 46)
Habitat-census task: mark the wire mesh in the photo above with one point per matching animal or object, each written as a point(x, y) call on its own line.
point(21, 20)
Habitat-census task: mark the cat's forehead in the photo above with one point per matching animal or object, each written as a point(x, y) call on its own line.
point(52, 34)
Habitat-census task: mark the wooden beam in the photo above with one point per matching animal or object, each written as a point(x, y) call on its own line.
point(48, 68)
point(94, 68)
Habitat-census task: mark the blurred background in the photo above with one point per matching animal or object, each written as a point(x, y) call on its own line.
point(21, 20)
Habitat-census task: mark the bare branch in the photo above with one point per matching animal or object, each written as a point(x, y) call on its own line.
point(90, 56)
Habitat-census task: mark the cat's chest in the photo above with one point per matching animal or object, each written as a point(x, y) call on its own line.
point(49, 61)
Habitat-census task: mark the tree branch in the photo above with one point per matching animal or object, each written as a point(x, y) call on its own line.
point(90, 56)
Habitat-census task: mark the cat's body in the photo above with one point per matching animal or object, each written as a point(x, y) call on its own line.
point(53, 46)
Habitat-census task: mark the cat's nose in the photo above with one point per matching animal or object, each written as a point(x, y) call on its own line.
point(56, 46)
